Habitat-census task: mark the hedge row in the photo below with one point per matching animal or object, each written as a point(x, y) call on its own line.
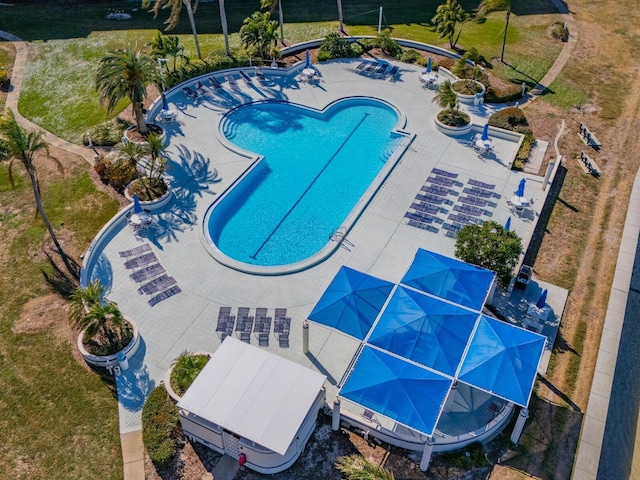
point(160, 426)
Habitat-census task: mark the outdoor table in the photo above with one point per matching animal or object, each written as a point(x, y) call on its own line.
point(139, 219)
point(519, 201)
point(483, 144)
point(428, 79)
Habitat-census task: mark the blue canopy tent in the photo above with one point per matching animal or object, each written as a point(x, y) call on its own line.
point(424, 329)
point(351, 302)
point(406, 393)
point(503, 360)
point(449, 278)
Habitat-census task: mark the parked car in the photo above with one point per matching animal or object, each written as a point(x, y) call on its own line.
point(524, 276)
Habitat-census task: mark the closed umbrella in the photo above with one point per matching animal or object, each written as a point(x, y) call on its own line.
point(485, 133)
point(137, 208)
point(507, 226)
point(164, 101)
point(542, 301)
point(520, 191)
point(307, 60)
point(429, 65)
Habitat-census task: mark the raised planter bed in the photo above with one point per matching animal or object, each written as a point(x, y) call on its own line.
point(167, 379)
point(452, 131)
point(104, 360)
point(152, 205)
point(471, 98)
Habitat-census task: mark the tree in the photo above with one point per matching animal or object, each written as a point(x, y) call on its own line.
point(172, 21)
point(259, 34)
point(489, 246)
point(185, 370)
point(163, 46)
point(357, 467)
point(487, 6)
point(125, 73)
point(89, 311)
point(270, 6)
point(19, 144)
point(447, 17)
point(445, 96)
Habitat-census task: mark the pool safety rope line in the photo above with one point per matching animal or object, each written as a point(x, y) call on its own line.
point(309, 187)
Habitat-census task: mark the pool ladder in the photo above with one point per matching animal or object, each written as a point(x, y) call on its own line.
point(340, 235)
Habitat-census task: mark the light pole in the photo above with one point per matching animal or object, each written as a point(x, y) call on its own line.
point(160, 62)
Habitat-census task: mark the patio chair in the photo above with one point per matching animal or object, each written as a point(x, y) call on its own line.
point(369, 416)
point(245, 77)
point(232, 82)
point(283, 340)
point(213, 81)
point(190, 93)
point(263, 340)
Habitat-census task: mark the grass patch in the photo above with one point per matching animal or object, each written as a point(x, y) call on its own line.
point(49, 400)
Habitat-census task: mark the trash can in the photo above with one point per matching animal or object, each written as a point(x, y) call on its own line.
point(123, 361)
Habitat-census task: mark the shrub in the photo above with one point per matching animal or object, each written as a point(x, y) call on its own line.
point(4, 77)
point(148, 189)
point(508, 118)
point(412, 56)
point(185, 370)
point(115, 172)
point(467, 87)
point(160, 426)
point(559, 32)
point(335, 46)
point(506, 94)
point(388, 45)
point(513, 118)
point(106, 134)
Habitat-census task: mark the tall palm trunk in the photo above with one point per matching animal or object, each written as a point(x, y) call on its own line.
point(47, 224)
point(281, 18)
point(504, 39)
point(139, 115)
point(187, 4)
point(225, 29)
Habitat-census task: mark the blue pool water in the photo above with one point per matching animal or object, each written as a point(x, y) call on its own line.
point(316, 166)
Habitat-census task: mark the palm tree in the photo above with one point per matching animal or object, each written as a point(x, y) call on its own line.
point(174, 15)
point(185, 370)
point(357, 467)
point(17, 143)
point(225, 29)
point(163, 46)
point(125, 73)
point(445, 96)
point(487, 6)
point(89, 311)
point(260, 34)
point(447, 17)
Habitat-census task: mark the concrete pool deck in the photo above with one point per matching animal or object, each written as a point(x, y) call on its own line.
point(381, 242)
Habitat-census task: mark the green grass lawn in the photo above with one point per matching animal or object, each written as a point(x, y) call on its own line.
point(58, 92)
point(58, 420)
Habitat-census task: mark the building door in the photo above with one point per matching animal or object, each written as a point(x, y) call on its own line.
point(231, 444)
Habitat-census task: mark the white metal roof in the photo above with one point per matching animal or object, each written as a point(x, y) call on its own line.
point(254, 394)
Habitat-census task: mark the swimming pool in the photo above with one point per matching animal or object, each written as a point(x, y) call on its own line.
point(311, 170)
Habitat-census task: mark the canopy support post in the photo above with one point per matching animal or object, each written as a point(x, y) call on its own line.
point(335, 420)
point(519, 426)
point(305, 337)
point(426, 454)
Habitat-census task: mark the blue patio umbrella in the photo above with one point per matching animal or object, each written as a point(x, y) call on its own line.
point(137, 208)
point(507, 226)
point(307, 60)
point(485, 133)
point(164, 101)
point(520, 191)
point(542, 301)
point(429, 65)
